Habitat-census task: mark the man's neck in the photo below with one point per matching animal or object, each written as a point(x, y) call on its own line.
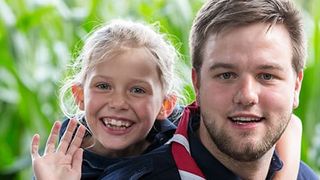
point(252, 170)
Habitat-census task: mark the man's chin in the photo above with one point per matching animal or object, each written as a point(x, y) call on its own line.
point(246, 156)
point(244, 152)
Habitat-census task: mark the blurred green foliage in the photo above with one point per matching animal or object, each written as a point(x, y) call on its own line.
point(38, 39)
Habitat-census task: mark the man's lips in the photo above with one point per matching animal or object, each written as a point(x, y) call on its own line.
point(245, 119)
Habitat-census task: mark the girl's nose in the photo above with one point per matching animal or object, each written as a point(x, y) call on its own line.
point(118, 101)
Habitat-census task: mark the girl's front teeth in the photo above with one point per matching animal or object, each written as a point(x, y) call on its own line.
point(116, 123)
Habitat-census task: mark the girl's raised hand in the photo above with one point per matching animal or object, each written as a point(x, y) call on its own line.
point(63, 162)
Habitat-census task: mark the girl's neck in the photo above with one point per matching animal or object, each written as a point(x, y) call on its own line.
point(97, 148)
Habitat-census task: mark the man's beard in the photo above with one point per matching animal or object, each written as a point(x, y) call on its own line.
point(249, 151)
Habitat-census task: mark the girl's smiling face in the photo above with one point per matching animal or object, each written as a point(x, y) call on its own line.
point(122, 97)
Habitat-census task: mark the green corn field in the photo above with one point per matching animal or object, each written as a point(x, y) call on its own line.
point(39, 39)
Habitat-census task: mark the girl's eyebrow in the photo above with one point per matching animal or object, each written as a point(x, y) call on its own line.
point(97, 76)
point(94, 78)
point(133, 80)
point(141, 82)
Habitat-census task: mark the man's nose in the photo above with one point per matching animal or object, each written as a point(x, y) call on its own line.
point(247, 92)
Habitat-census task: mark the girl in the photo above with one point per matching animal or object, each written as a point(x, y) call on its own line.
point(125, 82)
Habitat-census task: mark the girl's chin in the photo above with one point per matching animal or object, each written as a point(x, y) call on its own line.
point(121, 148)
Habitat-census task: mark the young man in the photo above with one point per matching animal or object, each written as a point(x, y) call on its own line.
point(248, 59)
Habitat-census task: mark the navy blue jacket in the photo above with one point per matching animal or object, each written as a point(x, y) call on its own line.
point(159, 164)
point(93, 165)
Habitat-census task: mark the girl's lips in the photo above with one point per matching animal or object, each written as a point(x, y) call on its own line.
point(117, 126)
point(111, 122)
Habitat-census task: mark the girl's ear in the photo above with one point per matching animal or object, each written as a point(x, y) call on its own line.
point(77, 92)
point(167, 107)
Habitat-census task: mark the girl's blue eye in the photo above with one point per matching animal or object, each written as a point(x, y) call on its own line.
point(137, 90)
point(103, 86)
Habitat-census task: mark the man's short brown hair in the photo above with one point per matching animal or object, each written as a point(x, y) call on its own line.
point(218, 15)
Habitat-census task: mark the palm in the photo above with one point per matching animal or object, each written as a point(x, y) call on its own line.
point(60, 163)
point(63, 162)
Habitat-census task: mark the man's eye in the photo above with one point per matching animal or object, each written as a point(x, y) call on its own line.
point(266, 76)
point(137, 90)
point(227, 75)
point(103, 86)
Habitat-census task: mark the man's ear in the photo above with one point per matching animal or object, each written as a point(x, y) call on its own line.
point(195, 81)
point(297, 89)
point(77, 92)
point(167, 107)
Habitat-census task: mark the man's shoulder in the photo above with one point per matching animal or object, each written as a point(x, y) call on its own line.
point(306, 173)
point(157, 164)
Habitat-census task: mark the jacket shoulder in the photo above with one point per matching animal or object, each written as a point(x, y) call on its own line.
point(158, 164)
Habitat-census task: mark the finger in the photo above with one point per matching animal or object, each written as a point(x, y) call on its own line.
point(76, 142)
point(52, 139)
point(77, 160)
point(35, 147)
point(67, 136)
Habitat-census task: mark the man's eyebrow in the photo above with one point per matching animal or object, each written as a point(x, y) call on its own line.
point(221, 65)
point(270, 67)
